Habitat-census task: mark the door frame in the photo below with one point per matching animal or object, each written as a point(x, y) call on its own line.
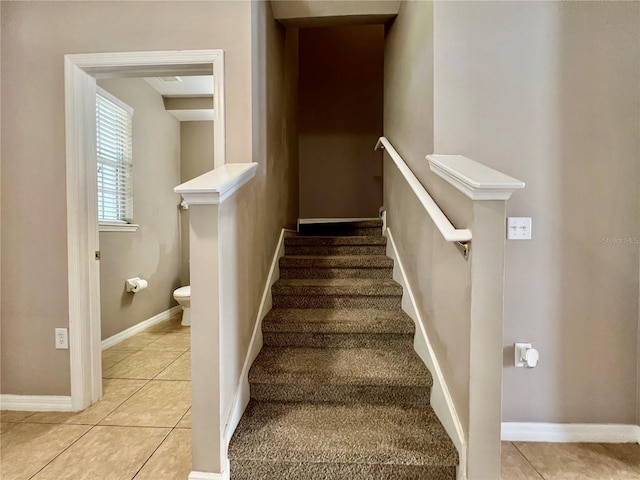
point(81, 72)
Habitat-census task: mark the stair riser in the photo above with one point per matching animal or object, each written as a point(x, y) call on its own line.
point(373, 394)
point(257, 470)
point(286, 272)
point(330, 301)
point(335, 249)
point(335, 340)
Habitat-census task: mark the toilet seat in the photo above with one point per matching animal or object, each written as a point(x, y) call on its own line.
point(183, 292)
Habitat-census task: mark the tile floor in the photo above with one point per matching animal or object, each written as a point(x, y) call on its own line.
point(570, 461)
point(141, 428)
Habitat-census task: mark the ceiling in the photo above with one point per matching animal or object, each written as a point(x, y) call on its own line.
point(185, 86)
point(182, 86)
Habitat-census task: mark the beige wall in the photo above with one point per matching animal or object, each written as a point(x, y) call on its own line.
point(153, 251)
point(340, 113)
point(438, 274)
point(188, 103)
point(35, 37)
point(196, 158)
point(548, 93)
point(246, 228)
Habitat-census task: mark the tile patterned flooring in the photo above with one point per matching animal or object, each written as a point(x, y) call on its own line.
point(570, 461)
point(141, 428)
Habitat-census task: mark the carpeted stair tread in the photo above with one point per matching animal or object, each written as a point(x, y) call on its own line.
point(269, 470)
point(337, 287)
point(336, 266)
point(336, 261)
point(322, 433)
point(330, 320)
point(337, 390)
point(390, 366)
point(335, 241)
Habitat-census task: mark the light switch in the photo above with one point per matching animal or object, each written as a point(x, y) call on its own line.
point(519, 228)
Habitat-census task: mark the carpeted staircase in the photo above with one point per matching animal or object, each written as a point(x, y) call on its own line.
point(337, 391)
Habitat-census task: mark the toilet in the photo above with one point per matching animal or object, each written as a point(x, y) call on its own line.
point(183, 297)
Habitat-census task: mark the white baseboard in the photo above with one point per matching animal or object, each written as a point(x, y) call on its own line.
point(139, 327)
point(242, 395)
point(441, 400)
point(306, 221)
point(209, 476)
point(35, 403)
point(570, 432)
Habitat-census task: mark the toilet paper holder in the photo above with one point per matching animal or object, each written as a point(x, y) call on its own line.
point(135, 284)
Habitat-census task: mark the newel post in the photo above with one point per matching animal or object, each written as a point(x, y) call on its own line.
point(204, 195)
point(489, 190)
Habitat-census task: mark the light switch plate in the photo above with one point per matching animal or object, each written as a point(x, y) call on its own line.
point(519, 228)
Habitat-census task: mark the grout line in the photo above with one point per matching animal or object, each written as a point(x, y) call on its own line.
point(184, 415)
point(135, 426)
point(97, 424)
point(528, 461)
point(163, 440)
point(119, 361)
point(168, 380)
point(125, 400)
point(63, 450)
point(152, 453)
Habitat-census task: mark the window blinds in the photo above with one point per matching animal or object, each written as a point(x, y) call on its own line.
point(114, 159)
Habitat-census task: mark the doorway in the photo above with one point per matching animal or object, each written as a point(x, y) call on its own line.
point(81, 73)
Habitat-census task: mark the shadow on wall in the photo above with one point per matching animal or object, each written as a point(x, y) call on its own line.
point(340, 120)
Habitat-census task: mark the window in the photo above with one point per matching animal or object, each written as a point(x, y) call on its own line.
point(114, 160)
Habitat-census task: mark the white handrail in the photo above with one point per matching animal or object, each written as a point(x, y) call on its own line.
point(448, 231)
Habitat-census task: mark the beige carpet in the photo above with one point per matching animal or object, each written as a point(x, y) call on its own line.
point(337, 391)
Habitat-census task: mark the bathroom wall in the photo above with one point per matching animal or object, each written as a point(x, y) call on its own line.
point(153, 251)
point(196, 158)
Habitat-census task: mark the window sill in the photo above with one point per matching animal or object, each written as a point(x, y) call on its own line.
point(117, 227)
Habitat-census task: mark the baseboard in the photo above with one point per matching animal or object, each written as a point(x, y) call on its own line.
point(306, 221)
point(241, 397)
point(441, 400)
point(570, 432)
point(139, 327)
point(35, 403)
point(209, 476)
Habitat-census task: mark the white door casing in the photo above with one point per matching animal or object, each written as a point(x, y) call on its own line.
point(81, 72)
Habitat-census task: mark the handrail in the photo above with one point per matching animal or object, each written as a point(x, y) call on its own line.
point(451, 234)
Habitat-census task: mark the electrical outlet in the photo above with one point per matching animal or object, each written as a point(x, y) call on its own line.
point(519, 228)
point(62, 339)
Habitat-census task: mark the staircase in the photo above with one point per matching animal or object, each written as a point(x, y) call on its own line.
point(337, 391)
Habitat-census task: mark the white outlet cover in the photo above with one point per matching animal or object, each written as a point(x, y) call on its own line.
point(518, 353)
point(519, 228)
point(62, 339)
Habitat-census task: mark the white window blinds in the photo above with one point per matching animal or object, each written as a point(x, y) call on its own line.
point(114, 138)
